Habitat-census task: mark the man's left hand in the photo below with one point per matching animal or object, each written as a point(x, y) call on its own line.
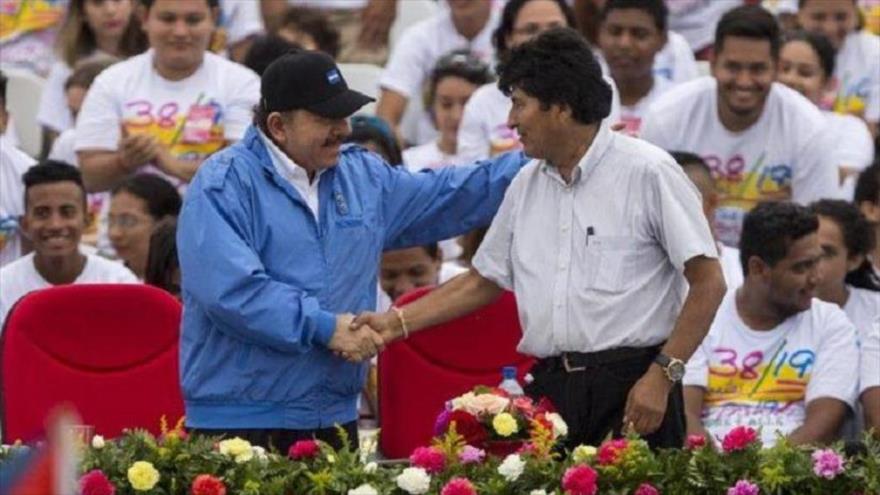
point(646, 403)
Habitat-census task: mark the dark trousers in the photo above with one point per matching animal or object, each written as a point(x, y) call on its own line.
point(592, 400)
point(283, 439)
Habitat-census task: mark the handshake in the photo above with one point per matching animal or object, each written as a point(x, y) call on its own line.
point(360, 338)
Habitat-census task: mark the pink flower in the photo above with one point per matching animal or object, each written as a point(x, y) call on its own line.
point(525, 405)
point(458, 486)
point(739, 438)
point(646, 489)
point(96, 483)
point(303, 449)
point(743, 487)
point(609, 452)
point(695, 442)
point(579, 479)
point(428, 458)
point(471, 455)
point(827, 464)
point(205, 484)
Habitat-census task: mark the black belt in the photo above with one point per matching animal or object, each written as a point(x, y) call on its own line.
point(579, 361)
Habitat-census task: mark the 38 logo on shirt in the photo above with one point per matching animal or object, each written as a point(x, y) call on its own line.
point(193, 134)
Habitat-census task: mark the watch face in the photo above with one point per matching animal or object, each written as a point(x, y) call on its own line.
point(675, 370)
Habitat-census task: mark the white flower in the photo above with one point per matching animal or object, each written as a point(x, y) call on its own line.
point(365, 489)
point(414, 480)
point(371, 467)
point(237, 448)
point(331, 459)
point(560, 429)
point(512, 467)
point(97, 442)
point(537, 492)
point(260, 454)
point(583, 453)
point(480, 404)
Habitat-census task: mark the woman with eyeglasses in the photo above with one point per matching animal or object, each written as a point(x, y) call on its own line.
point(136, 206)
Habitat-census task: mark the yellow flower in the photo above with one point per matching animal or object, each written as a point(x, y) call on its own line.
point(238, 449)
point(583, 453)
point(143, 476)
point(504, 424)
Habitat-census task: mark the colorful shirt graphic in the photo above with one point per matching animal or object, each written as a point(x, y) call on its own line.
point(20, 17)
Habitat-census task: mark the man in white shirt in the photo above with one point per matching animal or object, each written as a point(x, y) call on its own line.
point(598, 224)
point(776, 358)
point(54, 219)
point(168, 109)
point(467, 24)
point(701, 176)
point(763, 141)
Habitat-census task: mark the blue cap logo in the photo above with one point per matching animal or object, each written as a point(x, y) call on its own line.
point(333, 77)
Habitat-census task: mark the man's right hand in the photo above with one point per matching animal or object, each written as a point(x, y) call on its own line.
point(387, 325)
point(355, 345)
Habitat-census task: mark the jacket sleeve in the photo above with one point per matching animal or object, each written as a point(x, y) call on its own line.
point(433, 205)
point(224, 277)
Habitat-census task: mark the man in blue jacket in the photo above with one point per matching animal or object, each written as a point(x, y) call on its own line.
point(279, 243)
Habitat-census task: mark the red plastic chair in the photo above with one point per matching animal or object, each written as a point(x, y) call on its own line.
point(108, 350)
point(418, 375)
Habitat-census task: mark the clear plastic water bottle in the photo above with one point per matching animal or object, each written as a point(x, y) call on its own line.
point(509, 383)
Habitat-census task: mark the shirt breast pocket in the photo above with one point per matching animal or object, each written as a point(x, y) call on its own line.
point(609, 261)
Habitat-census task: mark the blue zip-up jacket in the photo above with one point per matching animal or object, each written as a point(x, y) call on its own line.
point(263, 280)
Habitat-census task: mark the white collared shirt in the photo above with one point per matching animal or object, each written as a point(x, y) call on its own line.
point(293, 173)
point(598, 263)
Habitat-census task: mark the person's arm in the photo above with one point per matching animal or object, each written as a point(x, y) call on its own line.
point(102, 169)
point(871, 405)
point(823, 420)
point(693, 408)
point(223, 275)
point(391, 106)
point(406, 70)
point(184, 170)
point(647, 400)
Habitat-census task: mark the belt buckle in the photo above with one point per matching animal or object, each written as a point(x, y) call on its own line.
point(569, 368)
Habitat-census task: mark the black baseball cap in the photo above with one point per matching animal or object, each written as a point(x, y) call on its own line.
point(309, 80)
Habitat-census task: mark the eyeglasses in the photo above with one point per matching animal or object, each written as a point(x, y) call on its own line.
point(125, 221)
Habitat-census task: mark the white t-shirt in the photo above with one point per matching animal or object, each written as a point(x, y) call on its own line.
point(786, 154)
point(765, 379)
point(413, 58)
point(696, 19)
point(428, 156)
point(240, 20)
point(53, 111)
point(13, 164)
point(483, 131)
point(854, 147)
point(863, 310)
point(195, 116)
point(21, 277)
point(856, 80)
point(632, 115)
point(731, 267)
point(330, 4)
point(676, 61)
point(869, 350)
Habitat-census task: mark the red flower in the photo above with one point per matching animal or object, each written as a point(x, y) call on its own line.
point(647, 489)
point(609, 452)
point(96, 483)
point(428, 458)
point(739, 438)
point(205, 484)
point(469, 427)
point(524, 405)
point(458, 486)
point(579, 480)
point(303, 449)
point(695, 442)
point(544, 406)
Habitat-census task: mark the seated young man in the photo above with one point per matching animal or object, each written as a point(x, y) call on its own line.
point(54, 220)
point(404, 270)
point(775, 358)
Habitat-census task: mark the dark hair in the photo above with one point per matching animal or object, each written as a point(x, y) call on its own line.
point(858, 236)
point(161, 197)
point(76, 40)
point(821, 46)
point(162, 258)
point(655, 8)
point(433, 250)
point(85, 72)
point(748, 21)
point(50, 172)
point(558, 67)
point(457, 63)
point(868, 185)
point(265, 50)
point(149, 3)
point(316, 24)
point(801, 3)
point(508, 19)
point(3, 82)
point(369, 128)
point(687, 159)
point(770, 229)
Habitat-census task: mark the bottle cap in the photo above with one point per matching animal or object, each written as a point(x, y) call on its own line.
point(508, 372)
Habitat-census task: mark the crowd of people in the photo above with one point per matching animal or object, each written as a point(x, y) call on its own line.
point(585, 128)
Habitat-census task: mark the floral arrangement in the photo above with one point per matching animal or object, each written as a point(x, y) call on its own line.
point(490, 419)
point(139, 464)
